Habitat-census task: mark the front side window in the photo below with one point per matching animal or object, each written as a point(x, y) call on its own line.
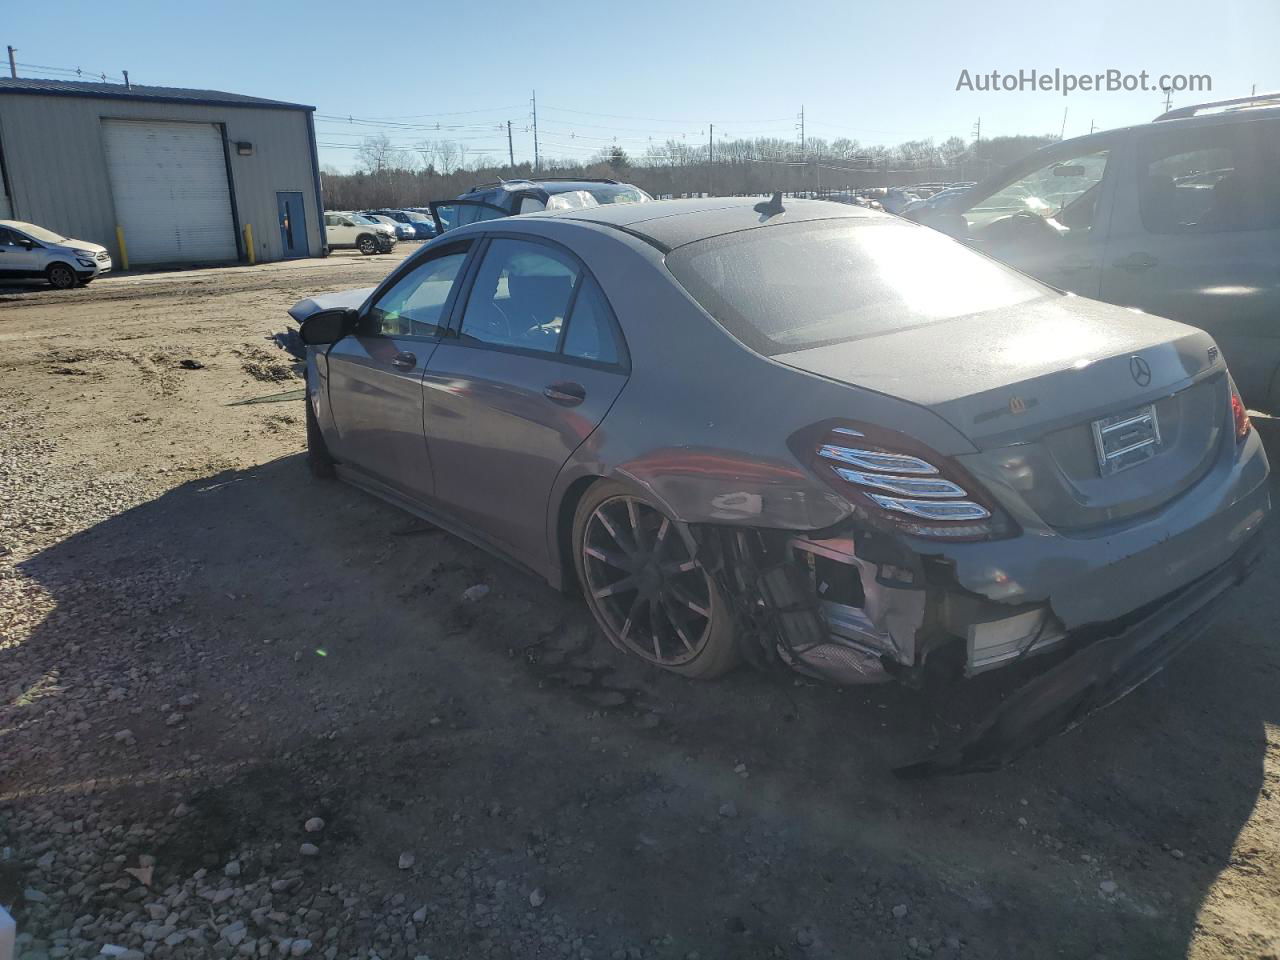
point(1210, 179)
point(795, 286)
point(7, 238)
point(1065, 191)
point(520, 297)
point(414, 306)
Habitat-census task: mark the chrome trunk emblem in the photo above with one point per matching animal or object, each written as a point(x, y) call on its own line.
point(1141, 371)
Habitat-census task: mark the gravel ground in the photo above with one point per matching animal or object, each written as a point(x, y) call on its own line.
point(245, 713)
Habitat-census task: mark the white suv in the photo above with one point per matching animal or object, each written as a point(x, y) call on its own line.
point(352, 230)
point(29, 252)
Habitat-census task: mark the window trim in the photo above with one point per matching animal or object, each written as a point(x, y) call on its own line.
point(462, 245)
point(454, 331)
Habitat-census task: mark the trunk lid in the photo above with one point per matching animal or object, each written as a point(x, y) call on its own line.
point(1086, 412)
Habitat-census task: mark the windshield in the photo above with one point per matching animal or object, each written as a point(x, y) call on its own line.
point(618, 193)
point(357, 218)
point(571, 200)
point(418, 218)
point(795, 286)
point(1045, 192)
point(40, 233)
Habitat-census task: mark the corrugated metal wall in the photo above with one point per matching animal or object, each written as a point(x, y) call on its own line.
point(54, 155)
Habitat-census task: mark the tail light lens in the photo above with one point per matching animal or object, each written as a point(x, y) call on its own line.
point(904, 484)
point(1239, 414)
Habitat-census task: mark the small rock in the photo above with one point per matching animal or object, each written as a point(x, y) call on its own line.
point(803, 937)
point(407, 860)
point(32, 895)
point(232, 869)
point(314, 825)
point(728, 809)
point(1176, 853)
point(900, 911)
point(537, 898)
point(1109, 887)
point(420, 915)
point(477, 592)
point(123, 736)
point(309, 850)
point(300, 947)
point(190, 364)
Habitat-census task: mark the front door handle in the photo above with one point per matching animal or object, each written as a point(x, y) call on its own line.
point(404, 360)
point(1136, 262)
point(565, 392)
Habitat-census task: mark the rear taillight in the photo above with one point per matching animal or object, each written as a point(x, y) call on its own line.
point(905, 485)
point(1239, 414)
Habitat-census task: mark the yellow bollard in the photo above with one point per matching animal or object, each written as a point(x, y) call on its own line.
point(124, 251)
point(248, 243)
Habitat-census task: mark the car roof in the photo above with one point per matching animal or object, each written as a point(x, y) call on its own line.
point(672, 223)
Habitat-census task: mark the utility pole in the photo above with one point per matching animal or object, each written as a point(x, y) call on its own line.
point(126, 79)
point(802, 154)
point(1092, 126)
point(1168, 99)
point(511, 150)
point(977, 132)
point(1063, 132)
point(535, 131)
point(711, 154)
point(13, 64)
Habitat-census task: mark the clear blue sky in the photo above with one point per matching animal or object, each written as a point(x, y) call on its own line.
point(878, 71)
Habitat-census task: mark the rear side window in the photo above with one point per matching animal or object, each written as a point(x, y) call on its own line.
point(793, 286)
point(1210, 179)
point(590, 333)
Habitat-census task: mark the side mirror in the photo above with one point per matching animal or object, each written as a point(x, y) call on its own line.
point(327, 326)
point(27, 242)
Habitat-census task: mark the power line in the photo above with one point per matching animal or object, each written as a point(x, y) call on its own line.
point(621, 116)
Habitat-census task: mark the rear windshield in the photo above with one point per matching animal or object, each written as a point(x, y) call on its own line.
point(793, 286)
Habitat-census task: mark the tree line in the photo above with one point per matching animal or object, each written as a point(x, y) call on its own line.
point(390, 176)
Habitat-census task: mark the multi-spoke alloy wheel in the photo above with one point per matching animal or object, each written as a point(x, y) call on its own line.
point(646, 588)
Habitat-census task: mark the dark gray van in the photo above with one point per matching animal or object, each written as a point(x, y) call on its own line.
point(1179, 217)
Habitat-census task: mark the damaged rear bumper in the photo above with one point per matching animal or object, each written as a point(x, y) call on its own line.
point(1113, 659)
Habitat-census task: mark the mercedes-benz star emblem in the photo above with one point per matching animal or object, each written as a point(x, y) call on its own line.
point(1141, 371)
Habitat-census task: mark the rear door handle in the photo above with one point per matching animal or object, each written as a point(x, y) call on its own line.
point(1076, 264)
point(1136, 262)
point(565, 392)
point(404, 360)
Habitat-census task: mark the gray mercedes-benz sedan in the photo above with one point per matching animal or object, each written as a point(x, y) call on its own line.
point(805, 434)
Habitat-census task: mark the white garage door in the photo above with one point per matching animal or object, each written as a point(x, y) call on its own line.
point(169, 181)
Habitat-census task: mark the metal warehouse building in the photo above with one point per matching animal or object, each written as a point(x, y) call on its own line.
point(181, 176)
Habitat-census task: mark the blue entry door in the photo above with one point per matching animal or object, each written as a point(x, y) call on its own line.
point(293, 225)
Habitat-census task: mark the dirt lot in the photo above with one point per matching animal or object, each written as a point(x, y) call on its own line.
point(201, 649)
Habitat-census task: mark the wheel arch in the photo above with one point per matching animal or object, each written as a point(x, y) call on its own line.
point(561, 516)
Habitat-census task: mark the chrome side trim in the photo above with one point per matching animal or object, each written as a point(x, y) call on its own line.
point(876, 459)
point(904, 486)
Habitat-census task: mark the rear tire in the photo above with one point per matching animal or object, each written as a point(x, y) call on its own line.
point(367, 245)
point(61, 277)
point(675, 617)
point(318, 459)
